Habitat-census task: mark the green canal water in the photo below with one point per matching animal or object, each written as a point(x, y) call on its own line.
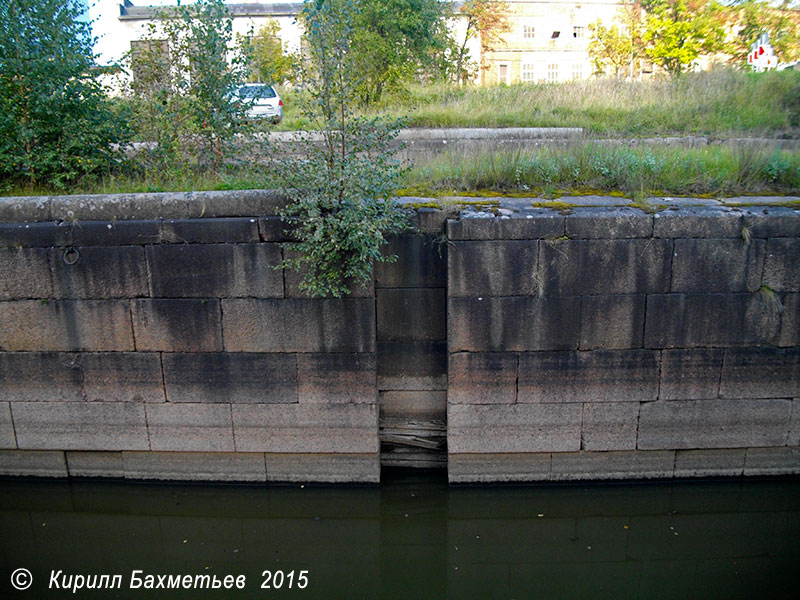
point(412, 537)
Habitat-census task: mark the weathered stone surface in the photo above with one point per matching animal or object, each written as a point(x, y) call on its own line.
point(411, 314)
point(513, 324)
point(591, 222)
point(609, 426)
point(27, 235)
point(228, 230)
point(337, 428)
point(625, 464)
point(790, 320)
point(24, 273)
point(493, 268)
point(412, 365)
point(687, 424)
point(100, 272)
point(597, 376)
point(708, 266)
point(431, 220)
point(513, 428)
point(612, 322)
point(532, 225)
point(25, 208)
point(215, 270)
point(782, 267)
point(482, 378)
point(690, 374)
point(80, 425)
point(698, 222)
point(190, 427)
point(122, 376)
point(71, 325)
point(414, 405)
point(588, 267)
point(794, 424)
point(7, 438)
point(772, 461)
point(421, 262)
point(299, 325)
point(177, 325)
point(710, 463)
point(324, 468)
point(490, 468)
point(40, 377)
point(273, 229)
point(32, 463)
point(331, 378)
point(294, 277)
point(95, 464)
point(107, 233)
point(699, 320)
point(775, 221)
point(761, 373)
point(219, 377)
point(195, 466)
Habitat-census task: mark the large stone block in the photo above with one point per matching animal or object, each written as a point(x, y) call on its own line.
point(698, 222)
point(273, 229)
point(215, 270)
point(80, 425)
point(7, 438)
point(701, 320)
point(612, 322)
point(708, 266)
point(513, 324)
point(216, 377)
point(195, 466)
point(782, 267)
point(69, 325)
point(772, 461)
point(493, 268)
point(177, 325)
point(32, 463)
point(794, 424)
point(761, 373)
point(431, 220)
point(122, 376)
point(41, 377)
point(482, 378)
point(710, 463)
point(421, 262)
point(323, 468)
point(530, 225)
point(95, 464)
point(597, 376)
point(513, 428)
point(416, 405)
point(773, 221)
point(411, 314)
point(24, 273)
point(299, 325)
point(336, 428)
point(190, 427)
point(790, 320)
point(626, 464)
point(690, 374)
point(491, 468)
point(589, 267)
point(228, 230)
point(107, 233)
point(27, 235)
point(412, 365)
point(25, 208)
point(331, 378)
point(595, 222)
point(609, 426)
point(100, 272)
point(688, 424)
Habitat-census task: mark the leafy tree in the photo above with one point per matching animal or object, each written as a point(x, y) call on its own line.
point(268, 63)
point(755, 17)
point(620, 46)
point(340, 189)
point(56, 125)
point(486, 20)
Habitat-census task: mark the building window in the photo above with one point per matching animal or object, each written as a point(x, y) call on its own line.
point(552, 73)
point(502, 73)
point(577, 71)
point(555, 35)
point(579, 32)
point(528, 32)
point(528, 72)
point(149, 65)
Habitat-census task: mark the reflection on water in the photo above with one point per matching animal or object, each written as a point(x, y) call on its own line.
point(413, 537)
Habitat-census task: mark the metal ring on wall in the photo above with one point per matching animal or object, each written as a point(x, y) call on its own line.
point(71, 256)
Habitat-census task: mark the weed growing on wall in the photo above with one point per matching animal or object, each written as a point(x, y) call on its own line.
point(340, 185)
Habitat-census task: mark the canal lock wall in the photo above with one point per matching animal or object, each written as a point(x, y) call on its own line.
point(151, 337)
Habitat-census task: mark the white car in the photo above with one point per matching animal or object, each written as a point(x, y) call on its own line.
point(266, 103)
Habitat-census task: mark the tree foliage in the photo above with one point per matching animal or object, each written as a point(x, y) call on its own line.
point(340, 189)
point(487, 20)
point(55, 123)
point(267, 60)
point(621, 46)
point(755, 17)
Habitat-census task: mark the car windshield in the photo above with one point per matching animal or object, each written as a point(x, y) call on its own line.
point(256, 91)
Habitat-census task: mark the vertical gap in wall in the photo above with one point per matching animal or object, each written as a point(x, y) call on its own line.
point(147, 427)
point(130, 316)
point(221, 326)
point(638, 418)
point(516, 380)
point(147, 268)
point(580, 431)
point(671, 263)
point(719, 376)
point(233, 432)
point(163, 376)
point(297, 377)
point(66, 462)
point(13, 427)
